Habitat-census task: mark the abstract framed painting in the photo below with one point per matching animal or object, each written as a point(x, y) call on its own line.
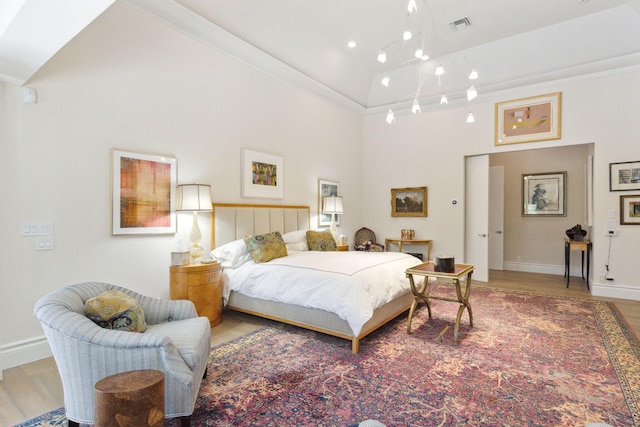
point(262, 175)
point(630, 210)
point(143, 190)
point(528, 119)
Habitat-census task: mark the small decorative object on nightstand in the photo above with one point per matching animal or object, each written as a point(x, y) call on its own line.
point(200, 284)
point(343, 247)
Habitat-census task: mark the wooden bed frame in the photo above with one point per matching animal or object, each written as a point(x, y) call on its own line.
point(233, 221)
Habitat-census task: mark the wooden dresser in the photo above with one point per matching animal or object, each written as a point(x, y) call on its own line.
point(200, 284)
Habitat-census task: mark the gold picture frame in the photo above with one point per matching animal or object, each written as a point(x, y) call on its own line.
point(537, 118)
point(410, 201)
point(143, 188)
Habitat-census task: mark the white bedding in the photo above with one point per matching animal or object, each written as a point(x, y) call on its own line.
point(349, 284)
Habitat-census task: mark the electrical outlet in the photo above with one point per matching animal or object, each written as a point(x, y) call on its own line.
point(609, 279)
point(611, 232)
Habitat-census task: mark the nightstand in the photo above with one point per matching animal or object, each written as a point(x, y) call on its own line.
point(200, 284)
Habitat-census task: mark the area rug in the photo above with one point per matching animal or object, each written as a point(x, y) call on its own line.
point(529, 360)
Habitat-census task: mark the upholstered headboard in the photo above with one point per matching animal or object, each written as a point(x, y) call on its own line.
point(234, 221)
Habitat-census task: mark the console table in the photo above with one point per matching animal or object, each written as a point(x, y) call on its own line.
point(572, 245)
point(421, 293)
point(399, 241)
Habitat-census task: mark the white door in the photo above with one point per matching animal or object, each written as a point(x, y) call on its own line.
point(496, 218)
point(477, 216)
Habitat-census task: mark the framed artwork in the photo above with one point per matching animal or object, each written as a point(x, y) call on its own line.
point(262, 175)
point(327, 188)
point(630, 210)
point(143, 193)
point(409, 201)
point(624, 176)
point(544, 194)
point(528, 119)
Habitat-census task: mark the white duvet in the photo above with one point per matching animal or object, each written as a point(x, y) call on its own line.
point(349, 284)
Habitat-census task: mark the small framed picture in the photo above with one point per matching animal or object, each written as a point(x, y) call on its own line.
point(409, 201)
point(327, 188)
point(544, 194)
point(143, 188)
point(630, 210)
point(528, 119)
point(262, 175)
point(624, 176)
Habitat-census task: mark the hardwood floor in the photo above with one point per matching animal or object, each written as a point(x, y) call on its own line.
point(35, 388)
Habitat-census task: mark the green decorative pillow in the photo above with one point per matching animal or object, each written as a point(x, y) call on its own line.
point(115, 310)
point(321, 241)
point(265, 247)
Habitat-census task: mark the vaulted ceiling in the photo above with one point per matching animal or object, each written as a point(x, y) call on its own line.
point(509, 42)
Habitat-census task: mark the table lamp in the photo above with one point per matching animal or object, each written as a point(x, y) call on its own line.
point(332, 205)
point(194, 198)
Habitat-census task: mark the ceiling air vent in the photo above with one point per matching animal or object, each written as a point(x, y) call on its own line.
point(460, 24)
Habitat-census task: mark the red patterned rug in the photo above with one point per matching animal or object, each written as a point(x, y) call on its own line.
point(529, 360)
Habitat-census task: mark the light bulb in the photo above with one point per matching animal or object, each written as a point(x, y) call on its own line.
point(471, 93)
point(473, 75)
point(443, 99)
point(382, 57)
point(416, 107)
point(419, 53)
point(412, 6)
point(352, 44)
point(385, 81)
point(390, 118)
point(406, 35)
point(439, 70)
point(470, 118)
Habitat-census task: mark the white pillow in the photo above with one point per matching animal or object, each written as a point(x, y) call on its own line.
point(232, 254)
point(297, 246)
point(295, 236)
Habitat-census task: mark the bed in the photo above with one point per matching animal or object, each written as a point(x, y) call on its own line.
point(305, 270)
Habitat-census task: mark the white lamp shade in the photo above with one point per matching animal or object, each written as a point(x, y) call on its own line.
point(332, 205)
point(193, 198)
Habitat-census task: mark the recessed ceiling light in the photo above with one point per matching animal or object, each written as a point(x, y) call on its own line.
point(352, 44)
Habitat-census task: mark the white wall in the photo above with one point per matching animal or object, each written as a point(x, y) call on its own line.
point(429, 149)
point(133, 83)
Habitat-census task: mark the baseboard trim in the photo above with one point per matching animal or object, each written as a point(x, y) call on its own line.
point(26, 351)
point(541, 268)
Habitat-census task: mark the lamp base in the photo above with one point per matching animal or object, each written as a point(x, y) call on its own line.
point(197, 252)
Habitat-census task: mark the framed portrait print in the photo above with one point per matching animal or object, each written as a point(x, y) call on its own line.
point(262, 175)
point(544, 194)
point(409, 201)
point(630, 210)
point(624, 176)
point(327, 188)
point(143, 193)
point(528, 119)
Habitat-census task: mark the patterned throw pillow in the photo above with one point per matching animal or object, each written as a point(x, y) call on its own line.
point(265, 247)
point(116, 310)
point(321, 241)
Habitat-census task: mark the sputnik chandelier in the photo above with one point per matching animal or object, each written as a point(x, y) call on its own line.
point(417, 54)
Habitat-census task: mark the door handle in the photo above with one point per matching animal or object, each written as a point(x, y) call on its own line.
point(482, 235)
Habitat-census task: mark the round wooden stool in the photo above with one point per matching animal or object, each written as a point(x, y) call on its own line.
point(130, 399)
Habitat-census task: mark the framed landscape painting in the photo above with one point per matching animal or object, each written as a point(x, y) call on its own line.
point(143, 188)
point(409, 201)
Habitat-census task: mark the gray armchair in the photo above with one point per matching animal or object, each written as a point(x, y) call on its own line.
point(176, 342)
